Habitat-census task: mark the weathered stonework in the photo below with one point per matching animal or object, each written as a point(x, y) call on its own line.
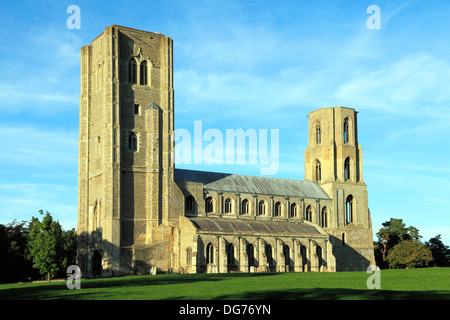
point(136, 212)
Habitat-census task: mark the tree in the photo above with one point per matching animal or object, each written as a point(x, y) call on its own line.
point(409, 254)
point(440, 252)
point(48, 246)
point(393, 232)
point(13, 241)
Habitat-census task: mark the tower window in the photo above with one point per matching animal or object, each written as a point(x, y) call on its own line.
point(318, 169)
point(318, 133)
point(324, 218)
point(132, 73)
point(349, 209)
point(346, 135)
point(132, 141)
point(347, 169)
point(137, 109)
point(143, 70)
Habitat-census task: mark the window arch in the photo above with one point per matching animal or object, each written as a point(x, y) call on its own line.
point(318, 170)
point(287, 255)
point(347, 169)
point(278, 209)
point(231, 256)
point(189, 204)
point(132, 141)
point(349, 209)
point(251, 255)
point(308, 214)
point(132, 71)
point(245, 206)
point(209, 253)
point(346, 132)
point(318, 133)
point(261, 208)
point(293, 210)
point(144, 72)
point(324, 218)
point(228, 205)
point(208, 205)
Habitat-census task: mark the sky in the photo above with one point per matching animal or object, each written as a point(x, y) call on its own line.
point(242, 64)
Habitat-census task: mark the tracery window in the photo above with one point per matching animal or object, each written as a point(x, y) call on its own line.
point(132, 141)
point(132, 71)
point(143, 70)
point(208, 205)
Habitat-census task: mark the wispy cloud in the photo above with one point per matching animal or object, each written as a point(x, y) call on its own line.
point(402, 87)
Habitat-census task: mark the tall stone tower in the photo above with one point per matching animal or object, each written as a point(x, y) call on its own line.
point(125, 167)
point(333, 158)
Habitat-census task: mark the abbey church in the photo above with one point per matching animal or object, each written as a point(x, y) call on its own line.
point(138, 214)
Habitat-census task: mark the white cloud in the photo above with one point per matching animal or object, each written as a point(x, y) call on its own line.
point(404, 87)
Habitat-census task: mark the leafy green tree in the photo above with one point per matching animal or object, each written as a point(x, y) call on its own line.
point(48, 246)
point(393, 232)
point(13, 241)
point(409, 254)
point(440, 251)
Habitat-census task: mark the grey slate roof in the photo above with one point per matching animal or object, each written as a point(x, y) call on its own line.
point(235, 225)
point(216, 181)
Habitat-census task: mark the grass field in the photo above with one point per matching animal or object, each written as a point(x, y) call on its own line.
point(429, 283)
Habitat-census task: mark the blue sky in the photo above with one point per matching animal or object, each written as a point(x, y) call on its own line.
point(242, 64)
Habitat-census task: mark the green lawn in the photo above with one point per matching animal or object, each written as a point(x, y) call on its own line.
point(429, 283)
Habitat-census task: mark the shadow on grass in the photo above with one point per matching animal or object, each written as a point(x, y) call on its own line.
point(58, 290)
point(337, 294)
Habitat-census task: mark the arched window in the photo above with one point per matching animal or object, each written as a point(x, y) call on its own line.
point(324, 218)
point(346, 133)
point(251, 255)
point(208, 205)
point(209, 253)
point(231, 258)
point(227, 205)
point(269, 255)
point(245, 207)
point(347, 169)
point(189, 204)
point(277, 212)
point(349, 209)
point(319, 256)
point(318, 133)
point(188, 256)
point(318, 169)
point(287, 256)
point(132, 72)
point(308, 214)
point(132, 142)
point(261, 208)
point(293, 211)
point(143, 70)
